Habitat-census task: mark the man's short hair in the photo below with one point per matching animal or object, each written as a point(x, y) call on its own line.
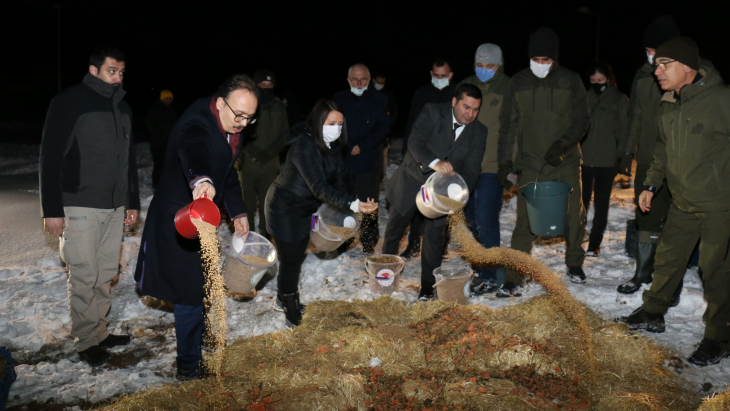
point(468, 89)
point(379, 74)
point(358, 66)
point(439, 63)
point(99, 54)
point(236, 82)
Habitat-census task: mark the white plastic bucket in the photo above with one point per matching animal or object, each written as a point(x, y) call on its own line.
point(453, 284)
point(326, 217)
point(442, 195)
point(384, 273)
point(247, 260)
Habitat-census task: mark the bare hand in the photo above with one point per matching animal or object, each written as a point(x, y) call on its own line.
point(131, 217)
point(355, 150)
point(241, 226)
point(54, 226)
point(367, 207)
point(204, 189)
point(444, 167)
point(645, 200)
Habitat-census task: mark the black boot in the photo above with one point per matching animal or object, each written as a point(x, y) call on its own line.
point(413, 249)
point(677, 293)
point(643, 320)
point(292, 308)
point(710, 352)
point(645, 253)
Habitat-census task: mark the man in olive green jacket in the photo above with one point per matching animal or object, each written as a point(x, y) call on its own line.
point(485, 202)
point(258, 164)
point(693, 154)
point(546, 112)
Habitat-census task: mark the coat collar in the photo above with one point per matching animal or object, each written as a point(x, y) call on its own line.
point(103, 88)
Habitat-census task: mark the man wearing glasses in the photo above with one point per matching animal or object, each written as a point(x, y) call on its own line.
point(367, 121)
point(693, 154)
point(88, 177)
point(201, 152)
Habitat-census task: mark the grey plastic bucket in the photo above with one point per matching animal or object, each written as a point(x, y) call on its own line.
point(547, 206)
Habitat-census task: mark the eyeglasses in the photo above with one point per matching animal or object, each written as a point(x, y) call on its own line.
point(239, 118)
point(663, 66)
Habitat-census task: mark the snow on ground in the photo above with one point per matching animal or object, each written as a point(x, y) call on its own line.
point(34, 319)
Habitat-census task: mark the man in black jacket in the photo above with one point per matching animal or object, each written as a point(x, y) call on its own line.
point(439, 91)
point(366, 116)
point(88, 177)
point(445, 139)
point(161, 117)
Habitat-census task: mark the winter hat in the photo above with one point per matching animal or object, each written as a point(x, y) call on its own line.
point(661, 30)
point(681, 49)
point(543, 43)
point(264, 75)
point(165, 94)
point(488, 53)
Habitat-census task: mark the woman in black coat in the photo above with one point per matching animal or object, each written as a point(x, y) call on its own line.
point(313, 173)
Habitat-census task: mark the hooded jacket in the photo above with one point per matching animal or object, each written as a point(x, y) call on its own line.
point(87, 156)
point(493, 91)
point(646, 96)
point(607, 133)
point(693, 149)
point(537, 112)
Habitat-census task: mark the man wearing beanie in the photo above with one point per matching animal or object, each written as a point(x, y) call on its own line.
point(482, 210)
point(259, 164)
point(692, 157)
point(546, 106)
point(161, 118)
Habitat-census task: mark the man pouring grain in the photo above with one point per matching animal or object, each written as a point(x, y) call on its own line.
point(201, 152)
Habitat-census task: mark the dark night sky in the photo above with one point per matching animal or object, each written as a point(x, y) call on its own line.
point(191, 49)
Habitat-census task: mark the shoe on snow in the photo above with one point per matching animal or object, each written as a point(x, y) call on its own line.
point(509, 290)
point(424, 297)
point(629, 287)
point(643, 320)
point(593, 253)
point(576, 275)
point(709, 352)
point(413, 250)
point(115, 340)
point(675, 301)
point(292, 308)
point(483, 287)
point(94, 356)
point(197, 373)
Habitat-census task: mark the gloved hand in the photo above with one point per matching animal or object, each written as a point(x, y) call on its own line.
point(624, 165)
point(502, 173)
point(554, 155)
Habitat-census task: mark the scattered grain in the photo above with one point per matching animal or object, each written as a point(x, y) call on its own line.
point(256, 260)
point(450, 203)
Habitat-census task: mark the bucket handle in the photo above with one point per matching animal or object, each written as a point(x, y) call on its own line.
point(534, 192)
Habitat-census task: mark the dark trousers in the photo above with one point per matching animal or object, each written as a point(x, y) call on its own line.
point(434, 234)
point(653, 220)
point(189, 325)
point(254, 188)
point(291, 256)
point(416, 230)
point(158, 159)
point(482, 213)
point(364, 186)
point(598, 180)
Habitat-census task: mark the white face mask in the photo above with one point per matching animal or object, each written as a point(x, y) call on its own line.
point(540, 70)
point(378, 86)
point(439, 83)
point(358, 91)
point(331, 133)
point(649, 58)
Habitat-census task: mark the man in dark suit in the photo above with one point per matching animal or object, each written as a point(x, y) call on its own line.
point(446, 139)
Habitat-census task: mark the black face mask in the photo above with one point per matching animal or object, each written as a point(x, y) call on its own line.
point(267, 94)
point(599, 88)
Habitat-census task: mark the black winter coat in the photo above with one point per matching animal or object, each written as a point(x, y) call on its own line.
point(169, 266)
point(368, 124)
point(307, 179)
point(427, 94)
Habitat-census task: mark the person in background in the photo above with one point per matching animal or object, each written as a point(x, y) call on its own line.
point(202, 150)
point(601, 147)
point(258, 165)
point(161, 118)
point(439, 91)
point(692, 157)
point(485, 202)
point(368, 124)
point(313, 174)
point(445, 139)
point(379, 85)
point(88, 177)
point(546, 112)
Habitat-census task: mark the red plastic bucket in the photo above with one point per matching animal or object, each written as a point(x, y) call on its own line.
point(202, 209)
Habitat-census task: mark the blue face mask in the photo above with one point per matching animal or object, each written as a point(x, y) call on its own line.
point(484, 74)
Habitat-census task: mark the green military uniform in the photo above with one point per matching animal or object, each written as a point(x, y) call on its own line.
point(258, 165)
point(693, 154)
point(536, 113)
point(607, 135)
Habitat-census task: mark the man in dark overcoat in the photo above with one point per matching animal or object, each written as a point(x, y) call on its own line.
point(202, 149)
point(445, 139)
